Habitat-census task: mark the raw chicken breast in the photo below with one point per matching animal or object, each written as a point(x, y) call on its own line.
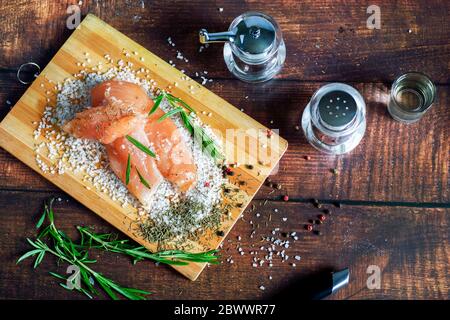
point(131, 95)
point(121, 108)
point(175, 157)
point(104, 123)
point(118, 152)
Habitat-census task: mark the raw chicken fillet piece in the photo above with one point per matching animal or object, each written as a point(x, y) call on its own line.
point(121, 108)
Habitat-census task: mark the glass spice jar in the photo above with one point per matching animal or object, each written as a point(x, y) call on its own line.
point(334, 121)
point(254, 49)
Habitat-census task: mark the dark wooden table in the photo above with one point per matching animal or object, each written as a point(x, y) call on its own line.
point(393, 187)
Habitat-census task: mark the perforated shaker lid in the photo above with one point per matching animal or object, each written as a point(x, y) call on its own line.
point(255, 34)
point(337, 108)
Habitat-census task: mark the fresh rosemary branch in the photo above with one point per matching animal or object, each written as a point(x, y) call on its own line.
point(196, 131)
point(107, 241)
point(61, 246)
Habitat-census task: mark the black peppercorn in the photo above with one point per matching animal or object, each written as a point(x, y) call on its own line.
point(220, 233)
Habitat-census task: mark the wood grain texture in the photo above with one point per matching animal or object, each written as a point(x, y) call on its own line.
point(96, 38)
point(394, 162)
point(326, 40)
point(411, 247)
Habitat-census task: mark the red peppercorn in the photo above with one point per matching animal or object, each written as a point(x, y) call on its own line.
point(286, 198)
point(308, 227)
point(206, 184)
point(269, 133)
point(322, 217)
point(228, 170)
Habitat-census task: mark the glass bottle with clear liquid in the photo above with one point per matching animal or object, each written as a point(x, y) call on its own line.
point(254, 49)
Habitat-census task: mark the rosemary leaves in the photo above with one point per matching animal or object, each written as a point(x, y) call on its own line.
point(209, 146)
point(53, 241)
point(140, 146)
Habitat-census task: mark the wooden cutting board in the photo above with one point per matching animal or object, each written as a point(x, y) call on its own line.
point(97, 38)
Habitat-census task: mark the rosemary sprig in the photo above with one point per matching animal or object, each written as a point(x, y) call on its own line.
point(61, 246)
point(140, 146)
point(108, 242)
point(196, 131)
point(143, 181)
point(128, 170)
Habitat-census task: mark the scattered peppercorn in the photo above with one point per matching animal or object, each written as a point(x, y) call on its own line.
point(318, 221)
point(249, 166)
point(311, 221)
point(220, 233)
point(335, 171)
point(307, 158)
point(326, 211)
point(317, 232)
point(337, 204)
point(286, 198)
point(277, 186)
point(308, 227)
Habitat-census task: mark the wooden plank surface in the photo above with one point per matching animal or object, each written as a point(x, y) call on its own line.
point(386, 167)
point(326, 41)
point(410, 245)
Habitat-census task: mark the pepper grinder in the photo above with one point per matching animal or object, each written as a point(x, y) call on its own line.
point(254, 50)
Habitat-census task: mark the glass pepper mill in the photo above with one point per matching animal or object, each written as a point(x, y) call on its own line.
point(254, 49)
point(334, 121)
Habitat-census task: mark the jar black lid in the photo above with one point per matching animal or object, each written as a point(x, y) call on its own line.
point(337, 108)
